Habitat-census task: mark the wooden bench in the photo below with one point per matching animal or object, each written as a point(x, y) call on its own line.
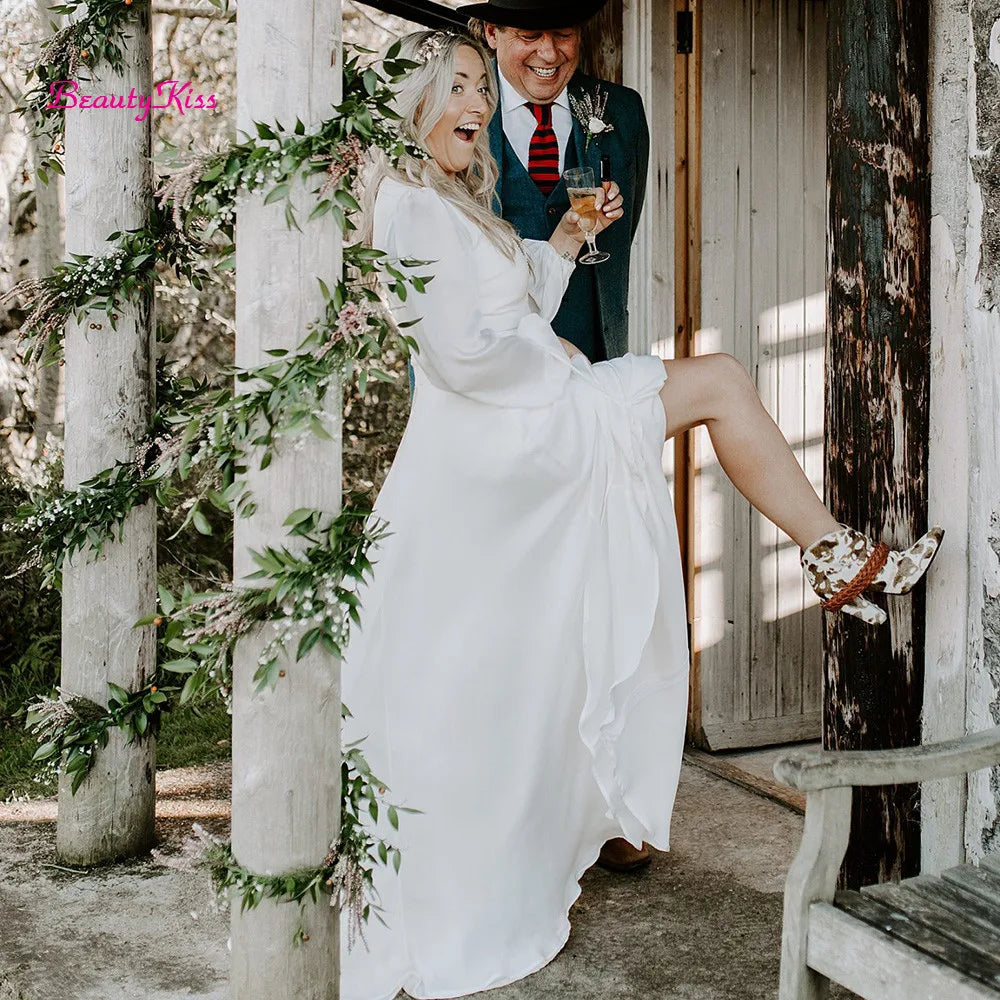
point(925, 938)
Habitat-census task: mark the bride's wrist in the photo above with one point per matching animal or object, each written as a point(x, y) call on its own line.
point(567, 247)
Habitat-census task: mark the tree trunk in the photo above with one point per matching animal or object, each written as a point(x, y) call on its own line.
point(109, 401)
point(877, 391)
point(286, 741)
point(48, 251)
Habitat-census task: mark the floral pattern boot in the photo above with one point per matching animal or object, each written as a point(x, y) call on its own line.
point(841, 565)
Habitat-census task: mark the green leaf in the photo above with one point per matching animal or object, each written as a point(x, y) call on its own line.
point(118, 694)
point(78, 780)
point(191, 685)
point(298, 516)
point(316, 426)
point(167, 602)
point(393, 816)
point(346, 199)
point(181, 666)
point(321, 209)
point(276, 193)
point(77, 761)
point(46, 750)
point(307, 642)
point(200, 521)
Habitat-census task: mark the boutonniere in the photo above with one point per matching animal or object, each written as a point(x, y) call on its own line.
point(590, 111)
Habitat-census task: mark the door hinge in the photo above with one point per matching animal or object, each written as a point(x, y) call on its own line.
point(685, 32)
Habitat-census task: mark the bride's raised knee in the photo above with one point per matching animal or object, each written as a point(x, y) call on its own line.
point(729, 376)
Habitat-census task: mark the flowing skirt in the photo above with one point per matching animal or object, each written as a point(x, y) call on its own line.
point(520, 676)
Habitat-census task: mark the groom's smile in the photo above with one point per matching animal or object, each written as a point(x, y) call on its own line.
point(538, 64)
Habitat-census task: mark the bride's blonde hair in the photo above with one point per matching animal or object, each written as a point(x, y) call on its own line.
point(420, 100)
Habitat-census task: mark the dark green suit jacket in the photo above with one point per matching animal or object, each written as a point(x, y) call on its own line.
point(594, 314)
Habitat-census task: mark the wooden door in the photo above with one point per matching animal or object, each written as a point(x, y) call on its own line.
point(759, 295)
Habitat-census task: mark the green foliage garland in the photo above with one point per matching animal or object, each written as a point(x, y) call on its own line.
point(311, 597)
point(76, 726)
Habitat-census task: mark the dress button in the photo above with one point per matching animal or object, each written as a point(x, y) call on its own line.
point(553, 211)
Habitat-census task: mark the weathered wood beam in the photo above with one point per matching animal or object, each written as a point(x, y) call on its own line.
point(286, 740)
point(877, 389)
point(109, 402)
point(821, 769)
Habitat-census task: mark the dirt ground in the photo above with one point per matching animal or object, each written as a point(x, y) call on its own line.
point(703, 922)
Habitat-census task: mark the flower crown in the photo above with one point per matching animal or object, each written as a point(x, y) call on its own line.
point(432, 45)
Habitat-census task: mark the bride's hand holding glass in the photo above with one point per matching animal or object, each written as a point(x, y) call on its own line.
point(574, 228)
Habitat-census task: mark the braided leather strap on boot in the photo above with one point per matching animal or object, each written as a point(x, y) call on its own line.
point(862, 581)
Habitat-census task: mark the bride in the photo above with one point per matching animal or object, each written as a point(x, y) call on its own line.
point(520, 674)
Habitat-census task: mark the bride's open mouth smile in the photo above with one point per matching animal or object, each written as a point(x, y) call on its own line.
point(468, 131)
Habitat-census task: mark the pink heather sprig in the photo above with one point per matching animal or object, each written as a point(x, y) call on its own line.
point(351, 323)
point(348, 157)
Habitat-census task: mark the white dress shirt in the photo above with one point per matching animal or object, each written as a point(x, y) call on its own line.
point(519, 122)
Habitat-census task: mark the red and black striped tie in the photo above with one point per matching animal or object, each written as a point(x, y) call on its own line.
point(543, 153)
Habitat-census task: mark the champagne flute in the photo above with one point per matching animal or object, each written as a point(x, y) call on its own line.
point(583, 198)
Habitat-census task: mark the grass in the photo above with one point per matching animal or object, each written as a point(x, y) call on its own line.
point(185, 739)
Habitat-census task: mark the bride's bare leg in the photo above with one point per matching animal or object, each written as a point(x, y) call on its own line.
point(716, 390)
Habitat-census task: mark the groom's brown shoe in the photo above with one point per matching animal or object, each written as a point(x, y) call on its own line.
point(619, 855)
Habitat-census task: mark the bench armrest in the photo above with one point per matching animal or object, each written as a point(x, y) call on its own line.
point(812, 770)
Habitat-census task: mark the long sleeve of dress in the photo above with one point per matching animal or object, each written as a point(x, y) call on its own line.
point(460, 349)
point(550, 274)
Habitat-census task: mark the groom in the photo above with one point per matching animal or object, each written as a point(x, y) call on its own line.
point(535, 138)
point(538, 135)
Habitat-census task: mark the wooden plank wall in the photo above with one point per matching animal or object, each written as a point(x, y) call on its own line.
point(756, 630)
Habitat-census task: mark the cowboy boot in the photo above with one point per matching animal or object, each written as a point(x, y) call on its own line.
point(841, 565)
point(618, 855)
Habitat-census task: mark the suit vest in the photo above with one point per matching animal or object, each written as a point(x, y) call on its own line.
point(535, 217)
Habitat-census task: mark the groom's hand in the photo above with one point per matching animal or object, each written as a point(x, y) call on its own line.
point(609, 207)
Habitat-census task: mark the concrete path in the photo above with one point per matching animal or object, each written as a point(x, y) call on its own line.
point(702, 923)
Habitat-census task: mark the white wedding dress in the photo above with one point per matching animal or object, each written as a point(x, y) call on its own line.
point(521, 669)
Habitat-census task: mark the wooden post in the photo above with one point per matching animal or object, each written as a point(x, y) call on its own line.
point(286, 740)
point(109, 401)
point(877, 390)
point(602, 44)
point(47, 252)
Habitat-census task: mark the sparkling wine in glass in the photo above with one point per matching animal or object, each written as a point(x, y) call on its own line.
point(583, 198)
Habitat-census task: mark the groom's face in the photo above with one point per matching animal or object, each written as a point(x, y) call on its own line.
point(537, 64)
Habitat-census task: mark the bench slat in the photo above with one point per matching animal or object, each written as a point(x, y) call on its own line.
point(929, 913)
point(930, 942)
point(978, 881)
point(880, 967)
point(957, 899)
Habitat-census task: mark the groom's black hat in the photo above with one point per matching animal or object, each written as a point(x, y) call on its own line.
point(537, 14)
